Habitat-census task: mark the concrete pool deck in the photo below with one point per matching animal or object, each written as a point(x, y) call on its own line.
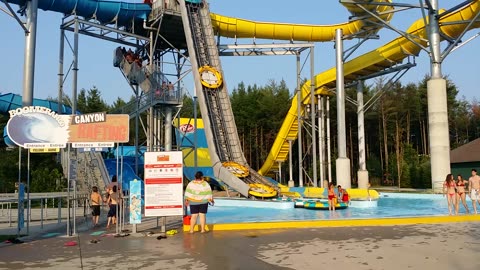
point(423, 246)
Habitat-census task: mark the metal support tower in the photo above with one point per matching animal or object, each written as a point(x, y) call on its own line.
point(30, 46)
point(342, 162)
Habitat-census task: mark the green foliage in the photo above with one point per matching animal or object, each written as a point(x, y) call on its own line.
point(259, 113)
point(91, 101)
point(46, 180)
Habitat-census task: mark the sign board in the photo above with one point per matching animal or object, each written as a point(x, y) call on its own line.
point(21, 207)
point(135, 202)
point(96, 149)
point(163, 184)
point(93, 144)
point(44, 150)
point(40, 127)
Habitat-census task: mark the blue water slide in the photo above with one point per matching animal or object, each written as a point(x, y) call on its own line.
point(128, 173)
point(120, 13)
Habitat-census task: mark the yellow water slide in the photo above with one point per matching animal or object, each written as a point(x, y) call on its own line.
point(240, 28)
point(452, 25)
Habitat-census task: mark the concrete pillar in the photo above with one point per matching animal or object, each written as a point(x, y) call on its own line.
point(438, 131)
point(362, 166)
point(343, 162)
point(291, 183)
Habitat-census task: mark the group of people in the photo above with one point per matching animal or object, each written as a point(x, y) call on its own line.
point(457, 191)
point(111, 198)
point(333, 198)
point(132, 57)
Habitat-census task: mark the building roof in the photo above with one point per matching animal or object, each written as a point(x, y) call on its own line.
point(469, 152)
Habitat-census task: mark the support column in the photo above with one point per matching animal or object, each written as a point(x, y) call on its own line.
point(329, 147)
point(321, 139)
point(300, 125)
point(168, 128)
point(438, 133)
point(362, 166)
point(342, 162)
point(279, 172)
point(60, 70)
point(312, 116)
point(291, 183)
point(195, 136)
point(75, 68)
point(30, 45)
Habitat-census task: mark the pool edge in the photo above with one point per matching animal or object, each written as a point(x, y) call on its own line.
point(338, 223)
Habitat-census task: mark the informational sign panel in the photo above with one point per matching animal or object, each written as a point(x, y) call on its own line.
point(21, 207)
point(135, 202)
point(163, 184)
point(40, 127)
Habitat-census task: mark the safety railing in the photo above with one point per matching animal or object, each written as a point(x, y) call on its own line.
point(41, 209)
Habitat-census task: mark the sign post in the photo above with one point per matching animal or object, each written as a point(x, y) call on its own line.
point(21, 208)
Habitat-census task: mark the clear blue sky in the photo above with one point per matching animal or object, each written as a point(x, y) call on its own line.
point(95, 62)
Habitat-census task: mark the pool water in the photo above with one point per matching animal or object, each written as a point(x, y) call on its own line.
point(389, 205)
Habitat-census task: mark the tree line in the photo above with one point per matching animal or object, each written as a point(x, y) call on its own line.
point(396, 123)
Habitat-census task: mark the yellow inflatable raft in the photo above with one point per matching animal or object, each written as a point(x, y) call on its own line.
point(262, 191)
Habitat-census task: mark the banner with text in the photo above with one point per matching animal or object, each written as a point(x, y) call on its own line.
point(163, 184)
point(135, 202)
point(40, 127)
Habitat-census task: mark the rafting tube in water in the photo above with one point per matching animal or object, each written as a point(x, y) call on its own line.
point(262, 191)
point(322, 205)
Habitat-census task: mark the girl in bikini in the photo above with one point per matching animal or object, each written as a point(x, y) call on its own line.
point(331, 197)
point(461, 194)
point(449, 188)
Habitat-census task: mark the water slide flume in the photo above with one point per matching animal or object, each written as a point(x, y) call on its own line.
point(241, 28)
point(452, 25)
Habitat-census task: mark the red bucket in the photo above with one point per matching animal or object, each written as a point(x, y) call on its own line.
point(186, 220)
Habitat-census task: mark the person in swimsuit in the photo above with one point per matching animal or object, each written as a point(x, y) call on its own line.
point(461, 193)
point(474, 189)
point(449, 188)
point(95, 199)
point(331, 197)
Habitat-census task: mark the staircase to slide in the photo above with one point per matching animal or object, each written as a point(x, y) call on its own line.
point(230, 165)
point(154, 85)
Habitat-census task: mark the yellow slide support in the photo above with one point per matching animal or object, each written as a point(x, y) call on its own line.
point(240, 28)
point(379, 59)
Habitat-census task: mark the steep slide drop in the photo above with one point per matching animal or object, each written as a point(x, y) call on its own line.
point(388, 55)
point(228, 160)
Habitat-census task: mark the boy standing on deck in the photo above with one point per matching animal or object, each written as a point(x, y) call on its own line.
point(474, 189)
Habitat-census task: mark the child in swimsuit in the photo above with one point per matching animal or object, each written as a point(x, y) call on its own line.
point(461, 193)
point(331, 197)
point(449, 189)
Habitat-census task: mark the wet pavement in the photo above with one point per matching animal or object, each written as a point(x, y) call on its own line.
point(435, 246)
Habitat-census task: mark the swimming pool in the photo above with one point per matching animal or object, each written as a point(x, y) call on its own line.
point(389, 205)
